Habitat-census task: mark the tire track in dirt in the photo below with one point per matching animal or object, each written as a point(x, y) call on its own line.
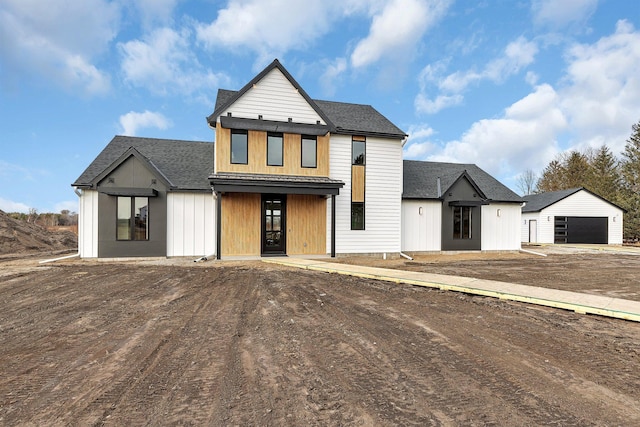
point(236, 345)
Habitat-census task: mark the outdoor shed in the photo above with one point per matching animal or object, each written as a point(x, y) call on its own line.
point(575, 215)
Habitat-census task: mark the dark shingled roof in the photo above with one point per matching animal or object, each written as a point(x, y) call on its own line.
point(359, 119)
point(537, 202)
point(420, 181)
point(346, 118)
point(185, 164)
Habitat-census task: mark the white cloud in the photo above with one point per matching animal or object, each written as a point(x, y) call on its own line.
point(58, 42)
point(132, 121)
point(419, 145)
point(270, 27)
point(600, 92)
point(163, 62)
point(332, 74)
point(596, 103)
point(397, 28)
point(559, 14)
point(524, 138)
point(426, 105)
point(517, 55)
point(11, 206)
point(155, 11)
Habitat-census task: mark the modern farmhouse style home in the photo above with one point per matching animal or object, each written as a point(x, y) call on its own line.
point(286, 175)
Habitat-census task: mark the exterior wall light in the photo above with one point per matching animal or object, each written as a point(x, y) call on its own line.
point(498, 212)
point(420, 210)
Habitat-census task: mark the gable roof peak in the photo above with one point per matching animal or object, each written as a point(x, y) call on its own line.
point(275, 64)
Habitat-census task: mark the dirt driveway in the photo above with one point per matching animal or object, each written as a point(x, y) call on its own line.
point(254, 344)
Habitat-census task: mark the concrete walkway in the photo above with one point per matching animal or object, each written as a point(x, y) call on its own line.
point(578, 302)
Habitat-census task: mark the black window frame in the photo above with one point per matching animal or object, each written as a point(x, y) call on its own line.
point(233, 142)
point(460, 232)
point(315, 151)
point(281, 137)
point(134, 221)
point(356, 161)
point(354, 215)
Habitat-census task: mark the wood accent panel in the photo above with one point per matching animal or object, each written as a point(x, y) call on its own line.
point(241, 218)
point(257, 155)
point(357, 183)
point(306, 225)
point(358, 138)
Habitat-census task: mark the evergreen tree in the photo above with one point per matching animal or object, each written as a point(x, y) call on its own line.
point(605, 175)
point(552, 177)
point(630, 169)
point(577, 170)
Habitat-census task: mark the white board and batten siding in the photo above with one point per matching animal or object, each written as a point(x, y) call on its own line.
point(580, 204)
point(190, 224)
point(383, 192)
point(88, 224)
point(501, 227)
point(275, 98)
point(421, 221)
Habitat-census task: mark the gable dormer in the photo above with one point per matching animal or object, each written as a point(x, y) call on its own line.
point(273, 95)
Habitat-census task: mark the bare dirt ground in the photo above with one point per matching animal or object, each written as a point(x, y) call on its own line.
point(613, 273)
point(179, 343)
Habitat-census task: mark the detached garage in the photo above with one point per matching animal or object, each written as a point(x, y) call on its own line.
point(571, 216)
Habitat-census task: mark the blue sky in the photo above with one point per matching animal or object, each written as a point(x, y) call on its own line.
point(505, 84)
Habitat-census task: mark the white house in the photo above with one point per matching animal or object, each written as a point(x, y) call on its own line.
point(286, 175)
point(571, 216)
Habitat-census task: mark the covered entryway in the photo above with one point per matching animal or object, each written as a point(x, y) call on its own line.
point(274, 214)
point(577, 229)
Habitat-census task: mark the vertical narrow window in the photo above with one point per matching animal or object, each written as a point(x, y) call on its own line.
point(239, 147)
point(132, 218)
point(141, 218)
point(358, 151)
point(462, 222)
point(124, 218)
point(309, 149)
point(275, 153)
point(357, 216)
point(358, 178)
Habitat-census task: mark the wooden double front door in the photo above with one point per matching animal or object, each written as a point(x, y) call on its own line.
point(274, 239)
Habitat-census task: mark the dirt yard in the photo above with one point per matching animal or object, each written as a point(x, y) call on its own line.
point(90, 343)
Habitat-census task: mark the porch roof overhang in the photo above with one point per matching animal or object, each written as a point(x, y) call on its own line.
point(280, 184)
point(123, 191)
point(274, 126)
point(468, 203)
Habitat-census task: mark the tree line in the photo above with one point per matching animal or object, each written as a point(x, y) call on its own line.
point(599, 171)
point(64, 218)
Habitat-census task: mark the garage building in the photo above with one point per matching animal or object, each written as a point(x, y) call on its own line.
point(574, 216)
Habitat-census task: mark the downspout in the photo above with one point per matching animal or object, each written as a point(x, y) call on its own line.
point(402, 254)
point(333, 226)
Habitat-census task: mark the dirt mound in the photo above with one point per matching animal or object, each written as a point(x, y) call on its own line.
point(19, 237)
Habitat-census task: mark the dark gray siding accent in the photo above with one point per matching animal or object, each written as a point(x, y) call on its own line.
point(461, 194)
point(132, 174)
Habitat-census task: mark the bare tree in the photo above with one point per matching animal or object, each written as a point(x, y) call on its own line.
point(527, 182)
